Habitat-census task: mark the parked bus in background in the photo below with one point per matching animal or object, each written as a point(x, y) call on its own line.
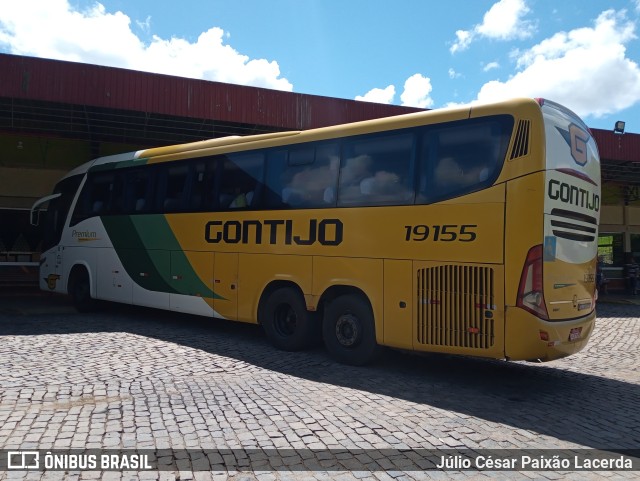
point(468, 231)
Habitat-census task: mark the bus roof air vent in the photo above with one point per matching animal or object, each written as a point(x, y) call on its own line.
point(521, 140)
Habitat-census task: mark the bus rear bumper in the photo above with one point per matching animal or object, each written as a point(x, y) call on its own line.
point(528, 338)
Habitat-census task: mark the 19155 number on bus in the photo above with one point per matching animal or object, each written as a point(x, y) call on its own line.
point(441, 233)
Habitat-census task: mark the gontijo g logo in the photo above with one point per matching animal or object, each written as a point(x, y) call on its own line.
point(579, 139)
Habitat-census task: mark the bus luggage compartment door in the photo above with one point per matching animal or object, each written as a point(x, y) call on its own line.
point(398, 308)
point(113, 282)
point(192, 282)
point(225, 285)
point(460, 308)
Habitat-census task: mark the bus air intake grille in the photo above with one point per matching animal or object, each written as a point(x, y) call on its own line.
point(521, 140)
point(574, 226)
point(455, 306)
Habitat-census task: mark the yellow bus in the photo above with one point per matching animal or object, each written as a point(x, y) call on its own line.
point(469, 231)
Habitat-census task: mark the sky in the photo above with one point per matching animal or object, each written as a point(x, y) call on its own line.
point(584, 54)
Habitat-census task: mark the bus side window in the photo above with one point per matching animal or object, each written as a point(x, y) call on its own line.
point(105, 194)
point(354, 170)
point(138, 190)
point(116, 201)
point(461, 170)
point(200, 186)
point(328, 161)
point(312, 174)
point(241, 181)
point(277, 177)
point(461, 157)
point(378, 170)
point(174, 189)
point(100, 188)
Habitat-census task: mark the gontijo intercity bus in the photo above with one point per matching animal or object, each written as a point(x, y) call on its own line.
point(469, 231)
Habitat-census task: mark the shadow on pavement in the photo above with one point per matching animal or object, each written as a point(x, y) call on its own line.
point(545, 398)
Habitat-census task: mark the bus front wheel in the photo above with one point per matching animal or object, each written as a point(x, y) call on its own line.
point(349, 332)
point(80, 290)
point(288, 324)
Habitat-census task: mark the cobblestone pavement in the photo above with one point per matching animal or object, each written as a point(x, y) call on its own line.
point(145, 379)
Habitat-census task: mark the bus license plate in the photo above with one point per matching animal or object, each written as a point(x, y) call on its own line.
point(575, 333)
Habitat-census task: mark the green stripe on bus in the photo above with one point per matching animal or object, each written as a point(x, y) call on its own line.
point(146, 247)
point(154, 232)
point(143, 266)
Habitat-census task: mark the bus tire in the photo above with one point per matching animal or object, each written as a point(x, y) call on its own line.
point(349, 331)
point(288, 324)
point(80, 291)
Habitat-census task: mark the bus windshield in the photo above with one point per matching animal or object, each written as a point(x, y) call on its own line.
point(58, 210)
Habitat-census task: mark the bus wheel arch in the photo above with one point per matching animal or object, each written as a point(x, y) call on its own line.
point(79, 288)
point(283, 314)
point(348, 325)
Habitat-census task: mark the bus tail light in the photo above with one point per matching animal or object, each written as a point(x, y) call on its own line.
point(530, 290)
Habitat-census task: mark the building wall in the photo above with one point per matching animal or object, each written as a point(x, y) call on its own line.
point(619, 238)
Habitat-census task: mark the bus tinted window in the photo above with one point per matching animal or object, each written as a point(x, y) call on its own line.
point(303, 177)
point(105, 194)
point(201, 193)
point(461, 157)
point(377, 170)
point(241, 180)
point(138, 192)
point(276, 178)
point(173, 188)
point(312, 183)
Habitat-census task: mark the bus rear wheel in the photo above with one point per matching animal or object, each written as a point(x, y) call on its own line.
point(80, 291)
point(288, 324)
point(349, 332)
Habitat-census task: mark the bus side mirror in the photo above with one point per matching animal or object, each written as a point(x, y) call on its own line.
point(34, 217)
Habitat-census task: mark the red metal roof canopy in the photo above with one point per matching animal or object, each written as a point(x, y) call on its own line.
point(116, 88)
point(617, 147)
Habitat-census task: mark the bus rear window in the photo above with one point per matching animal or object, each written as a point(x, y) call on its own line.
point(461, 157)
